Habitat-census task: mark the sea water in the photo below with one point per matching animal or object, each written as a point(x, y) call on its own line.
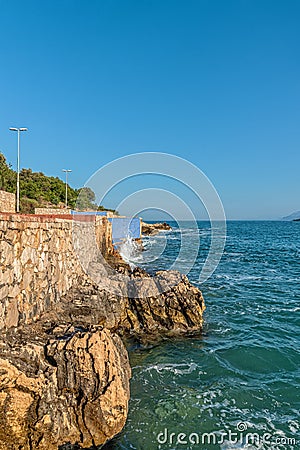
point(236, 386)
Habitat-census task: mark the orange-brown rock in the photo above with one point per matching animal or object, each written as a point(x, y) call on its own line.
point(154, 306)
point(67, 387)
point(149, 229)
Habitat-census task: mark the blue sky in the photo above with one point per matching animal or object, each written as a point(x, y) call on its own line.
point(215, 82)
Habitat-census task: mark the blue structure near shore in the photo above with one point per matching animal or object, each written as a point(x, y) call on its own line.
point(122, 227)
point(89, 213)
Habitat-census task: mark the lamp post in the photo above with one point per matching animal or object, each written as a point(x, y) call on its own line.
point(66, 172)
point(19, 130)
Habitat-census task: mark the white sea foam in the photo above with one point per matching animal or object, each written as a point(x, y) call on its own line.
point(130, 251)
point(177, 369)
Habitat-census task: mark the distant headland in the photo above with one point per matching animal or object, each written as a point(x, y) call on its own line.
point(295, 216)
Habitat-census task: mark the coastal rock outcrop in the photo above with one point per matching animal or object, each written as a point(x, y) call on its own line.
point(150, 229)
point(155, 306)
point(167, 304)
point(61, 386)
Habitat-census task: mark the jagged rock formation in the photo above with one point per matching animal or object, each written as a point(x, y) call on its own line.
point(166, 304)
point(149, 229)
point(61, 386)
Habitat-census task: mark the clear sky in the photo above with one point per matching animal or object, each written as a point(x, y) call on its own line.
point(215, 82)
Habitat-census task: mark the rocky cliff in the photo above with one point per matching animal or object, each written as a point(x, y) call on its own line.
point(61, 385)
point(148, 311)
point(64, 371)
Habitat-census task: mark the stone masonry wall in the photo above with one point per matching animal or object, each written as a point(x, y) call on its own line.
point(52, 211)
point(38, 263)
point(7, 202)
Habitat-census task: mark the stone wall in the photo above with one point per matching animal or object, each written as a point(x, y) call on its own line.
point(38, 264)
point(52, 211)
point(7, 202)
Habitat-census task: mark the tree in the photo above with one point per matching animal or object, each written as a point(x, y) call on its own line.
point(86, 199)
point(39, 190)
point(7, 176)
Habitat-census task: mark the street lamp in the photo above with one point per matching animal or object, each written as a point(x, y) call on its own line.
point(19, 130)
point(66, 171)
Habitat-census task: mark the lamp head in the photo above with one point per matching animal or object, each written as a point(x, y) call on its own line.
point(18, 129)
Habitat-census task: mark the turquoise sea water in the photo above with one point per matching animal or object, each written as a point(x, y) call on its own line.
point(243, 375)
